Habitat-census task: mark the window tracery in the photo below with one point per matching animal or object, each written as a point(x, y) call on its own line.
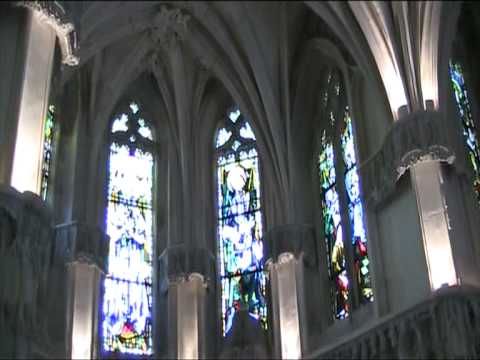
point(127, 302)
point(343, 218)
point(240, 243)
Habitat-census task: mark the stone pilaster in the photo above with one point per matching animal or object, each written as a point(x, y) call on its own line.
point(291, 253)
point(185, 275)
point(84, 250)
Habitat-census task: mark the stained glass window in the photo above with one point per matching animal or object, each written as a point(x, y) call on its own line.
point(355, 211)
point(469, 130)
point(333, 230)
point(240, 244)
point(48, 135)
point(337, 164)
point(127, 302)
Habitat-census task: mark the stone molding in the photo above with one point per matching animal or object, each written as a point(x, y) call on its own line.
point(180, 263)
point(415, 138)
point(54, 15)
point(77, 242)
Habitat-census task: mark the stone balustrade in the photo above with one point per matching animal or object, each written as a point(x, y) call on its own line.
point(445, 326)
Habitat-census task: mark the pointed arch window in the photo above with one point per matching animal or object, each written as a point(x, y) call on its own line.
point(127, 301)
point(341, 206)
point(240, 246)
point(469, 130)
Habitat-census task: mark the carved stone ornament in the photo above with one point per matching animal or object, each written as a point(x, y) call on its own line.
point(53, 14)
point(169, 27)
point(417, 137)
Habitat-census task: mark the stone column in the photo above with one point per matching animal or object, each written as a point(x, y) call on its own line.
point(291, 252)
point(184, 280)
point(84, 249)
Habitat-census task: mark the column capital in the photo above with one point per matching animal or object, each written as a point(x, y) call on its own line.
point(286, 242)
point(283, 258)
point(78, 242)
point(180, 263)
point(416, 137)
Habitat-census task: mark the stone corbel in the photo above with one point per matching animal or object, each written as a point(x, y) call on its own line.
point(170, 26)
point(415, 138)
point(54, 15)
point(180, 263)
point(78, 242)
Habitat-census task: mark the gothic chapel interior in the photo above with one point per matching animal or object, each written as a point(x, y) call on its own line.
point(239, 179)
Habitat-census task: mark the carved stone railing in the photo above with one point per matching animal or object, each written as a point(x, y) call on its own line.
point(445, 326)
point(419, 136)
point(26, 239)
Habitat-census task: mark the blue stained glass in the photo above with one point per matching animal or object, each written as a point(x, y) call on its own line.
point(240, 233)
point(355, 211)
point(469, 130)
point(127, 302)
point(333, 231)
